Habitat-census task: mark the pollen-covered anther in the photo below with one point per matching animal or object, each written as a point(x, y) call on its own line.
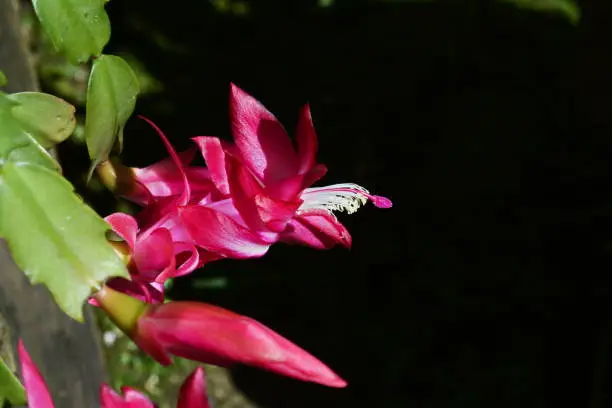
point(340, 197)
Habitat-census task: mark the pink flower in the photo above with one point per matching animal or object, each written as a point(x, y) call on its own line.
point(153, 253)
point(212, 335)
point(253, 194)
point(131, 398)
point(192, 393)
point(268, 183)
point(154, 248)
point(156, 245)
point(33, 382)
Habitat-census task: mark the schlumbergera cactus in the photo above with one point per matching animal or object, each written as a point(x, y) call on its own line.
point(252, 193)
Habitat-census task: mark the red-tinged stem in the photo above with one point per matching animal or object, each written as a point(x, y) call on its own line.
point(122, 309)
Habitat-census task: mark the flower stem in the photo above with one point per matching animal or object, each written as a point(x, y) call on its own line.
point(122, 309)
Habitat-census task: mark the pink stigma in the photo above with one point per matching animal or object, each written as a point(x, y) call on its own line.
point(381, 202)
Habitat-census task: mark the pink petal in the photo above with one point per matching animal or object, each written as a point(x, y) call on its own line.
point(306, 141)
point(35, 386)
point(202, 332)
point(136, 399)
point(149, 341)
point(132, 399)
point(144, 291)
point(318, 229)
point(276, 213)
point(207, 256)
point(172, 222)
point(256, 208)
point(244, 187)
point(314, 175)
point(186, 193)
point(190, 263)
point(291, 188)
point(164, 179)
point(193, 391)
point(288, 189)
point(216, 232)
point(262, 140)
point(125, 226)
point(154, 255)
point(200, 180)
point(163, 214)
point(214, 154)
point(110, 399)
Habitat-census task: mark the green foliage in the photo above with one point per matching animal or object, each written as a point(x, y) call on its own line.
point(47, 118)
point(10, 388)
point(3, 80)
point(567, 8)
point(78, 28)
point(17, 144)
point(111, 97)
point(53, 237)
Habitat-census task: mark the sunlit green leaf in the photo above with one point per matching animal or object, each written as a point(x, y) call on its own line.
point(16, 144)
point(53, 236)
point(111, 97)
point(78, 28)
point(3, 81)
point(47, 118)
point(10, 388)
point(567, 8)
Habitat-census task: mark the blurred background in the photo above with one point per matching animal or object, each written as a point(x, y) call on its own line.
point(488, 125)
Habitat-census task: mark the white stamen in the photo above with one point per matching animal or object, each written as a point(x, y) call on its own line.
point(338, 197)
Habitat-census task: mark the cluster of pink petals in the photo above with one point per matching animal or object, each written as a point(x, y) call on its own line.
point(192, 393)
point(252, 194)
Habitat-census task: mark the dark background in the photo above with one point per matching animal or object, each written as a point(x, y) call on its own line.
point(487, 284)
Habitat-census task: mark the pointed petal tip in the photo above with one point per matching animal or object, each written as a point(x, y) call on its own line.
point(307, 142)
point(108, 397)
point(33, 382)
point(316, 372)
point(381, 202)
point(326, 377)
point(336, 383)
point(135, 398)
point(22, 349)
point(193, 391)
point(235, 90)
point(199, 374)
